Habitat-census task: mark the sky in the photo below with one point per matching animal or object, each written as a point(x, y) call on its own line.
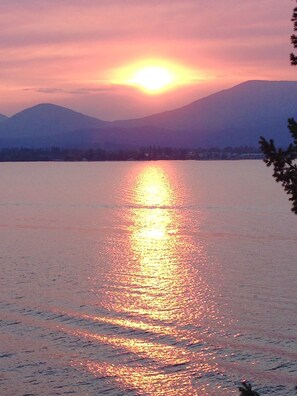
point(83, 54)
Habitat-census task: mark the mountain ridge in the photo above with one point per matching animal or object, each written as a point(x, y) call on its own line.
point(3, 117)
point(49, 118)
point(231, 117)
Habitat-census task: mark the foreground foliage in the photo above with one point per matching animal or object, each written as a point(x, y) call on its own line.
point(282, 160)
point(294, 37)
point(246, 390)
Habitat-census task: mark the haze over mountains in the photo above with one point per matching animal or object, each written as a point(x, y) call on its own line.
point(233, 117)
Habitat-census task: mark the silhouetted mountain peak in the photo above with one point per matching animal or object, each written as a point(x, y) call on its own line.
point(47, 119)
point(251, 87)
point(233, 117)
point(49, 110)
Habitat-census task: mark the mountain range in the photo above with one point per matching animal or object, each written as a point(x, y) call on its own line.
point(232, 117)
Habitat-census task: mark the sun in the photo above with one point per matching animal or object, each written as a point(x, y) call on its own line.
point(152, 79)
point(153, 76)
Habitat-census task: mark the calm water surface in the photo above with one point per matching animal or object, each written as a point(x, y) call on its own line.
point(150, 278)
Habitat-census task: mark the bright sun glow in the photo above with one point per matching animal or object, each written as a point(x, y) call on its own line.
point(153, 78)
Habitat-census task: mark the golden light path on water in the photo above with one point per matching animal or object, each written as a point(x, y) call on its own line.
point(156, 293)
point(155, 244)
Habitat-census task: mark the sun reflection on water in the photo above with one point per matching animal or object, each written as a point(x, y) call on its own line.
point(155, 244)
point(159, 273)
point(155, 291)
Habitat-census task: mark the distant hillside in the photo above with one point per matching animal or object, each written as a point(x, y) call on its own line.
point(46, 120)
point(233, 117)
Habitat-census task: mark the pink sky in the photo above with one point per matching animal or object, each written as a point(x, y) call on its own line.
point(64, 51)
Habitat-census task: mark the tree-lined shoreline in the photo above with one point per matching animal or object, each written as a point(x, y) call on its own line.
point(150, 153)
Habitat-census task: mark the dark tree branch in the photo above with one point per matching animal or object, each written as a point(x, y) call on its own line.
point(282, 160)
point(293, 57)
point(246, 390)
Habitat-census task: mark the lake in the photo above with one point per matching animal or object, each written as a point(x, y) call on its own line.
point(146, 278)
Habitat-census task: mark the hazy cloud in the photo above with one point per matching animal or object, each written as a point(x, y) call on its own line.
point(76, 91)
